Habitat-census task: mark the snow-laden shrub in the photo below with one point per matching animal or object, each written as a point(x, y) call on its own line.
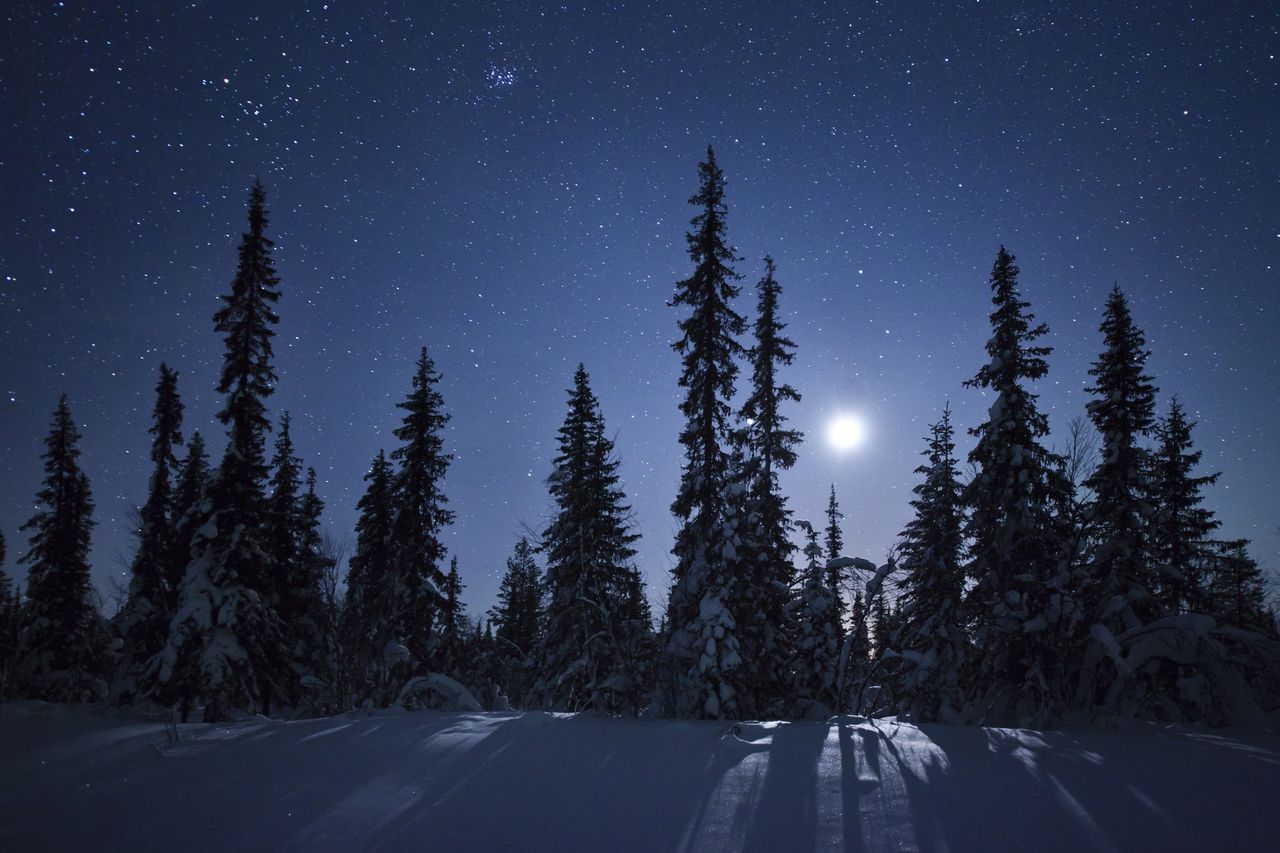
point(1187, 667)
point(436, 692)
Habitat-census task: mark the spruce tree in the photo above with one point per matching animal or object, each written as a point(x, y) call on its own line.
point(188, 494)
point(701, 655)
point(771, 448)
point(1017, 599)
point(302, 600)
point(225, 645)
point(247, 378)
point(63, 645)
point(282, 522)
point(371, 597)
point(931, 639)
point(817, 638)
point(518, 616)
point(639, 651)
point(419, 515)
point(834, 538)
point(835, 544)
point(585, 655)
point(453, 625)
point(881, 626)
point(189, 512)
point(145, 619)
point(859, 643)
point(1235, 591)
point(1114, 592)
point(1183, 526)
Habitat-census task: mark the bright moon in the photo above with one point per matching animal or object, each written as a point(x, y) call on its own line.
point(846, 433)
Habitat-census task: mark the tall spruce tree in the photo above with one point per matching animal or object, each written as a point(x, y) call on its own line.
point(585, 656)
point(835, 544)
point(1114, 591)
point(834, 538)
point(701, 657)
point(63, 647)
point(371, 597)
point(1017, 599)
point(419, 515)
point(225, 644)
point(144, 621)
point(518, 617)
point(931, 639)
point(1183, 525)
point(771, 448)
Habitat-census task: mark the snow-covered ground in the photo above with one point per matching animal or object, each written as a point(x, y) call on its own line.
point(89, 779)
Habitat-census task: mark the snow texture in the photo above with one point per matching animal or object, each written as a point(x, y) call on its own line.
point(542, 782)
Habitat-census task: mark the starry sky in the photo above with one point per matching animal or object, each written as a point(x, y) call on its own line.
point(506, 183)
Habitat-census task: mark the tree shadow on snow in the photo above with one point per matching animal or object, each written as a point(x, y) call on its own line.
point(786, 813)
point(991, 789)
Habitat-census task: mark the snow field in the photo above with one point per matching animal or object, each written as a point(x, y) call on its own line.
point(78, 779)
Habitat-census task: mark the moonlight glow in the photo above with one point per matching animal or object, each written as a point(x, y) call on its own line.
point(846, 433)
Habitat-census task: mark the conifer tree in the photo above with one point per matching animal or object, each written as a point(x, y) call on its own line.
point(419, 515)
point(145, 619)
point(701, 657)
point(189, 511)
point(518, 616)
point(63, 648)
point(639, 642)
point(771, 448)
point(453, 624)
point(302, 597)
point(1236, 590)
point(834, 538)
point(931, 639)
point(282, 522)
point(1114, 593)
point(485, 670)
point(188, 494)
point(1016, 602)
point(859, 641)
point(817, 643)
point(881, 625)
point(371, 597)
point(1182, 527)
point(225, 644)
point(737, 554)
point(835, 544)
point(247, 377)
point(585, 655)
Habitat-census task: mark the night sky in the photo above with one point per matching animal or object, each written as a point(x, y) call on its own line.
point(506, 183)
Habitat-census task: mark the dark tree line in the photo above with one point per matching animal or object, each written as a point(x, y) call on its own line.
point(1040, 588)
